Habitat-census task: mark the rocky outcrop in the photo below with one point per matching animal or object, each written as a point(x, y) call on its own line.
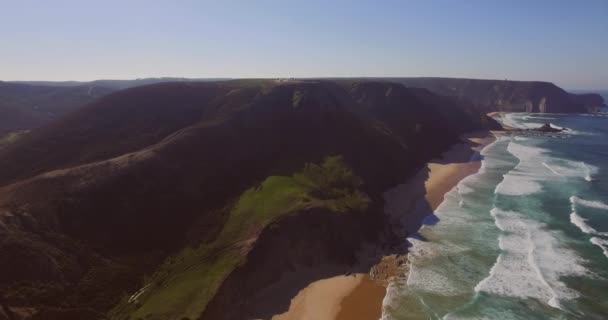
point(548, 128)
point(509, 96)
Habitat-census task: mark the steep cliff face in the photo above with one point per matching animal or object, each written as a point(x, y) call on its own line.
point(299, 249)
point(510, 96)
point(91, 203)
point(592, 102)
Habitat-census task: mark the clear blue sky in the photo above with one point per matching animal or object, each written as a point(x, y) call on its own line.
point(565, 42)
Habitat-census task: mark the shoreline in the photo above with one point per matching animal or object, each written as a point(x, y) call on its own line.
point(359, 296)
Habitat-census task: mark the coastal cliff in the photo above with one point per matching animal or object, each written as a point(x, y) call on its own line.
point(509, 96)
point(169, 192)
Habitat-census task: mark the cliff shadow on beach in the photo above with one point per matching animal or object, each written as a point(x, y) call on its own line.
point(305, 248)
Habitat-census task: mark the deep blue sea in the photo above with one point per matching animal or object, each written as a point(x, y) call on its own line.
point(524, 238)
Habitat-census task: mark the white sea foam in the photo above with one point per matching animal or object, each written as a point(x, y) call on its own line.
point(587, 172)
point(567, 168)
point(531, 262)
point(514, 120)
point(523, 179)
point(527, 175)
point(424, 277)
point(554, 126)
point(602, 243)
point(464, 189)
point(523, 152)
point(390, 299)
point(543, 118)
point(581, 222)
point(517, 186)
point(588, 203)
point(552, 169)
point(522, 121)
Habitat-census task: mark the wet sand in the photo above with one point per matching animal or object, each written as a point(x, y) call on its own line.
point(358, 296)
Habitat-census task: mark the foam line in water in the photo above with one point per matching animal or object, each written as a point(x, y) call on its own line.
point(554, 126)
point(567, 168)
point(514, 120)
point(523, 121)
point(588, 203)
point(587, 172)
point(523, 152)
point(582, 224)
point(464, 189)
point(602, 243)
point(531, 262)
point(543, 118)
point(522, 180)
point(552, 170)
point(390, 299)
point(517, 186)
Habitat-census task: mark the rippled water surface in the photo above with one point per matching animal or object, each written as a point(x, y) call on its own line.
point(524, 238)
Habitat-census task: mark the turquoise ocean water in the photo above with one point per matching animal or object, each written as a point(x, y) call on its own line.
point(524, 238)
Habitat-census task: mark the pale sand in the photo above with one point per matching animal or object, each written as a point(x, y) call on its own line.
point(321, 299)
point(454, 166)
point(358, 297)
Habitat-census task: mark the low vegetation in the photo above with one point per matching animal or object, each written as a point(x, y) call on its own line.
point(183, 286)
point(297, 98)
point(11, 137)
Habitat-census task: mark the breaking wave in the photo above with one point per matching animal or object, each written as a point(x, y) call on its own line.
point(531, 262)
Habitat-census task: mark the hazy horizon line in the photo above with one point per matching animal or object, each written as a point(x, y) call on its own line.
point(295, 77)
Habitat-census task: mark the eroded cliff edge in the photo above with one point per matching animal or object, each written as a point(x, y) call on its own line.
point(510, 96)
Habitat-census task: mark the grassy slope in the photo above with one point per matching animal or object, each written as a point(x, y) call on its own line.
point(185, 283)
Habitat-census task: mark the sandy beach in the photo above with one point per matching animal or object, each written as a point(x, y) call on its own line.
point(359, 296)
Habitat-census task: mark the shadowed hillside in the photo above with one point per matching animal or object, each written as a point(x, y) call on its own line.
point(153, 185)
point(24, 106)
point(27, 105)
point(116, 84)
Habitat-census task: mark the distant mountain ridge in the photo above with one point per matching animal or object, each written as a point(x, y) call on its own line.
point(118, 84)
point(26, 105)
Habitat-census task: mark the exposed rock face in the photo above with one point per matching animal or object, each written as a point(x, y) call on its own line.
point(542, 105)
point(510, 96)
point(591, 101)
point(548, 128)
